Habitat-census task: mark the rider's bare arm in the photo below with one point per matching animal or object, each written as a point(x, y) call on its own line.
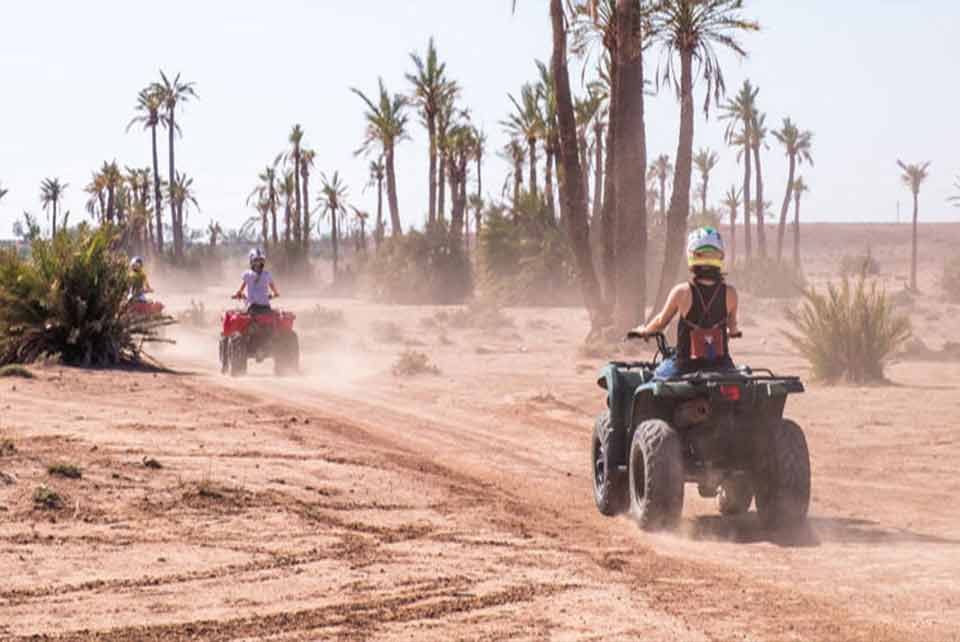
point(674, 303)
point(733, 301)
point(239, 294)
point(273, 289)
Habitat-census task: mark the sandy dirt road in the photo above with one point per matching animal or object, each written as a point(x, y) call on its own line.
point(351, 504)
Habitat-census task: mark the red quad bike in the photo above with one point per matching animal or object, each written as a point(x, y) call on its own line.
point(259, 336)
point(146, 308)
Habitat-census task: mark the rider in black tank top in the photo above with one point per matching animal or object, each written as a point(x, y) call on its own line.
point(708, 311)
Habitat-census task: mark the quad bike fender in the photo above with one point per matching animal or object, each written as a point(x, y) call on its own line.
point(621, 386)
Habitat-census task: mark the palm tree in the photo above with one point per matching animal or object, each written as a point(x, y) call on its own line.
point(796, 146)
point(266, 196)
point(662, 169)
point(386, 126)
point(799, 189)
point(515, 152)
point(689, 30)
point(546, 90)
point(307, 157)
point(173, 93)
point(758, 134)
point(361, 218)
point(182, 195)
point(479, 150)
point(705, 161)
point(296, 138)
point(431, 89)
point(376, 176)
point(149, 103)
point(112, 182)
point(333, 200)
point(913, 176)
point(51, 191)
point(526, 124)
point(215, 232)
point(732, 202)
point(288, 190)
point(447, 120)
point(740, 111)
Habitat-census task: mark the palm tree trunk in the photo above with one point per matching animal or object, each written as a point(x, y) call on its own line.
point(335, 241)
point(432, 181)
point(297, 229)
point(157, 200)
point(392, 193)
point(571, 190)
point(476, 227)
point(441, 187)
point(110, 204)
point(532, 145)
point(548, 183)
point(796, 230)
point(558, 172)
point(597, 171)
point(53, 225)
point(378, 234)
point(608, 213)
point(630, 152)
point(913, 259)
point(517, 183)
point(782, 228)
point(747, 230)
point(761, 222)
point(265, 227)
point(703, 195)
point(177, 230)
point(306, 211)
point(273, 212)
point(663, 198)
point(733, 237)
point(286, 223)
point(680, 197)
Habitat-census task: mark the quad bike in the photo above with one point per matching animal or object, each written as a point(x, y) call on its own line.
point(723, 430)
point(145, 308)
point(142, 309)
point(259, 336)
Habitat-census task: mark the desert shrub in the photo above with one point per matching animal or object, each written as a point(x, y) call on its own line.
point(411, 362)
point(7, 447)
point(525, 257)
point(70, 471)
point(950, 281)
point(68, 300)
point(321, 317)
point(765, 278)
point(44, 497)
point(14, 370)
point(419, 268)
point(856, 264)
point(848, 331)
point(386, 331)
point(484, 314)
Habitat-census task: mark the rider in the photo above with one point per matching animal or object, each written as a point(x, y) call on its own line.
point(707, 307)
point(139, 285)
point(258, 284)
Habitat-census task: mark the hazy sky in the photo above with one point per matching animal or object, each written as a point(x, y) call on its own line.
point(874, 79)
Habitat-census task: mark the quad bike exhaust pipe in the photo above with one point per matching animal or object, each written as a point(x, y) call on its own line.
point(691, 413)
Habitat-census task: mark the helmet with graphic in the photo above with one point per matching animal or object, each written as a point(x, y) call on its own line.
point(257, 258)
point(136, 263)
point(705, 248)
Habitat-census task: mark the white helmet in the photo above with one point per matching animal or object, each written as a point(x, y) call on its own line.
point(136, 263)
point(705, 248)
point(256, 256)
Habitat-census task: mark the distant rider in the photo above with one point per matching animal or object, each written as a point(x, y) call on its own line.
point(258, 284)
point(139, 284)
point(707, 307)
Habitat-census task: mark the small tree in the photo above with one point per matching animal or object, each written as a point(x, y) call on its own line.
point(913, 176)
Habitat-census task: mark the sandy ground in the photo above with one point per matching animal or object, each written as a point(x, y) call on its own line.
point(350, 504)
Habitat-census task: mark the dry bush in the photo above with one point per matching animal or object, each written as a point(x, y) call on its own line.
point(412, 362)
point(321, 317)
point(767, 279)
point(7, 448)
point(13, 370)
point(44, 497)
point(386, 331)
point(857, 264)
point(849, 331)
point(69, 471)
point(950, 281)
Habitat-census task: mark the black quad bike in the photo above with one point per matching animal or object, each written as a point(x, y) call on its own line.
point(722, 430)
point(259, 336)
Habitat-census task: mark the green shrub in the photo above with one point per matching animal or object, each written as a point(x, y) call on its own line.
point(849, 331)
point(68, 300)
point(70, 471)
point(951, 279)
point(411, 362)
point(767, 279)
point(48, 498)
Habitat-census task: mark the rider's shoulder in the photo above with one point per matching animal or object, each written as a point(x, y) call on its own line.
point(680, 289)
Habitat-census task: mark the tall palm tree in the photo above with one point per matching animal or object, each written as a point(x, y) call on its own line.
point(551, 139)
point(296, 139)
point(386, 126)
point(705, 161)
point(799, 189)
point(689, 31)
point(215, 232)
point(182, 194)
point(265, 195)
point(431, 89)
point(173, 93)
point(588, 110)
point(662, 169)
point(526, 123)
point(515, 152)
point(288, 190)
point(307, 157)
point(333, 200)
point(479, 150)
point(758, 135)
point(913, 176)
point(796, 146)
point(448, 119)
point(361, 219)
point(732, 201)
point(112, 182)
point(375, 180)
point(149, 104)
point(96, 204)
point(51, 191)
point(740, 112)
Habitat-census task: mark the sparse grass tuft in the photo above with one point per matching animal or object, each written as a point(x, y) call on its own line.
point(386, 331)
point(70, 471)
point(44, 497)
point(411, 362)
point(14, 370)
point(849, 331)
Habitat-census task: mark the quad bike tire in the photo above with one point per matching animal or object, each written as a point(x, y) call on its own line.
point(286, 359)
point(783, 489)
point(237, 351)
point(610, 489)
point(656, 475)
point(735, 496)
point(224, 346)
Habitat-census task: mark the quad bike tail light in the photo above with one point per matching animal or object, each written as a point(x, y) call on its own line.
point(730, 392)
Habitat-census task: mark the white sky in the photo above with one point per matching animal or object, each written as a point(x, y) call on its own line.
point(874, 79)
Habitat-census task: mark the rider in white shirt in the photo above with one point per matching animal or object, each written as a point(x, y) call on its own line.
point(257, 286)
